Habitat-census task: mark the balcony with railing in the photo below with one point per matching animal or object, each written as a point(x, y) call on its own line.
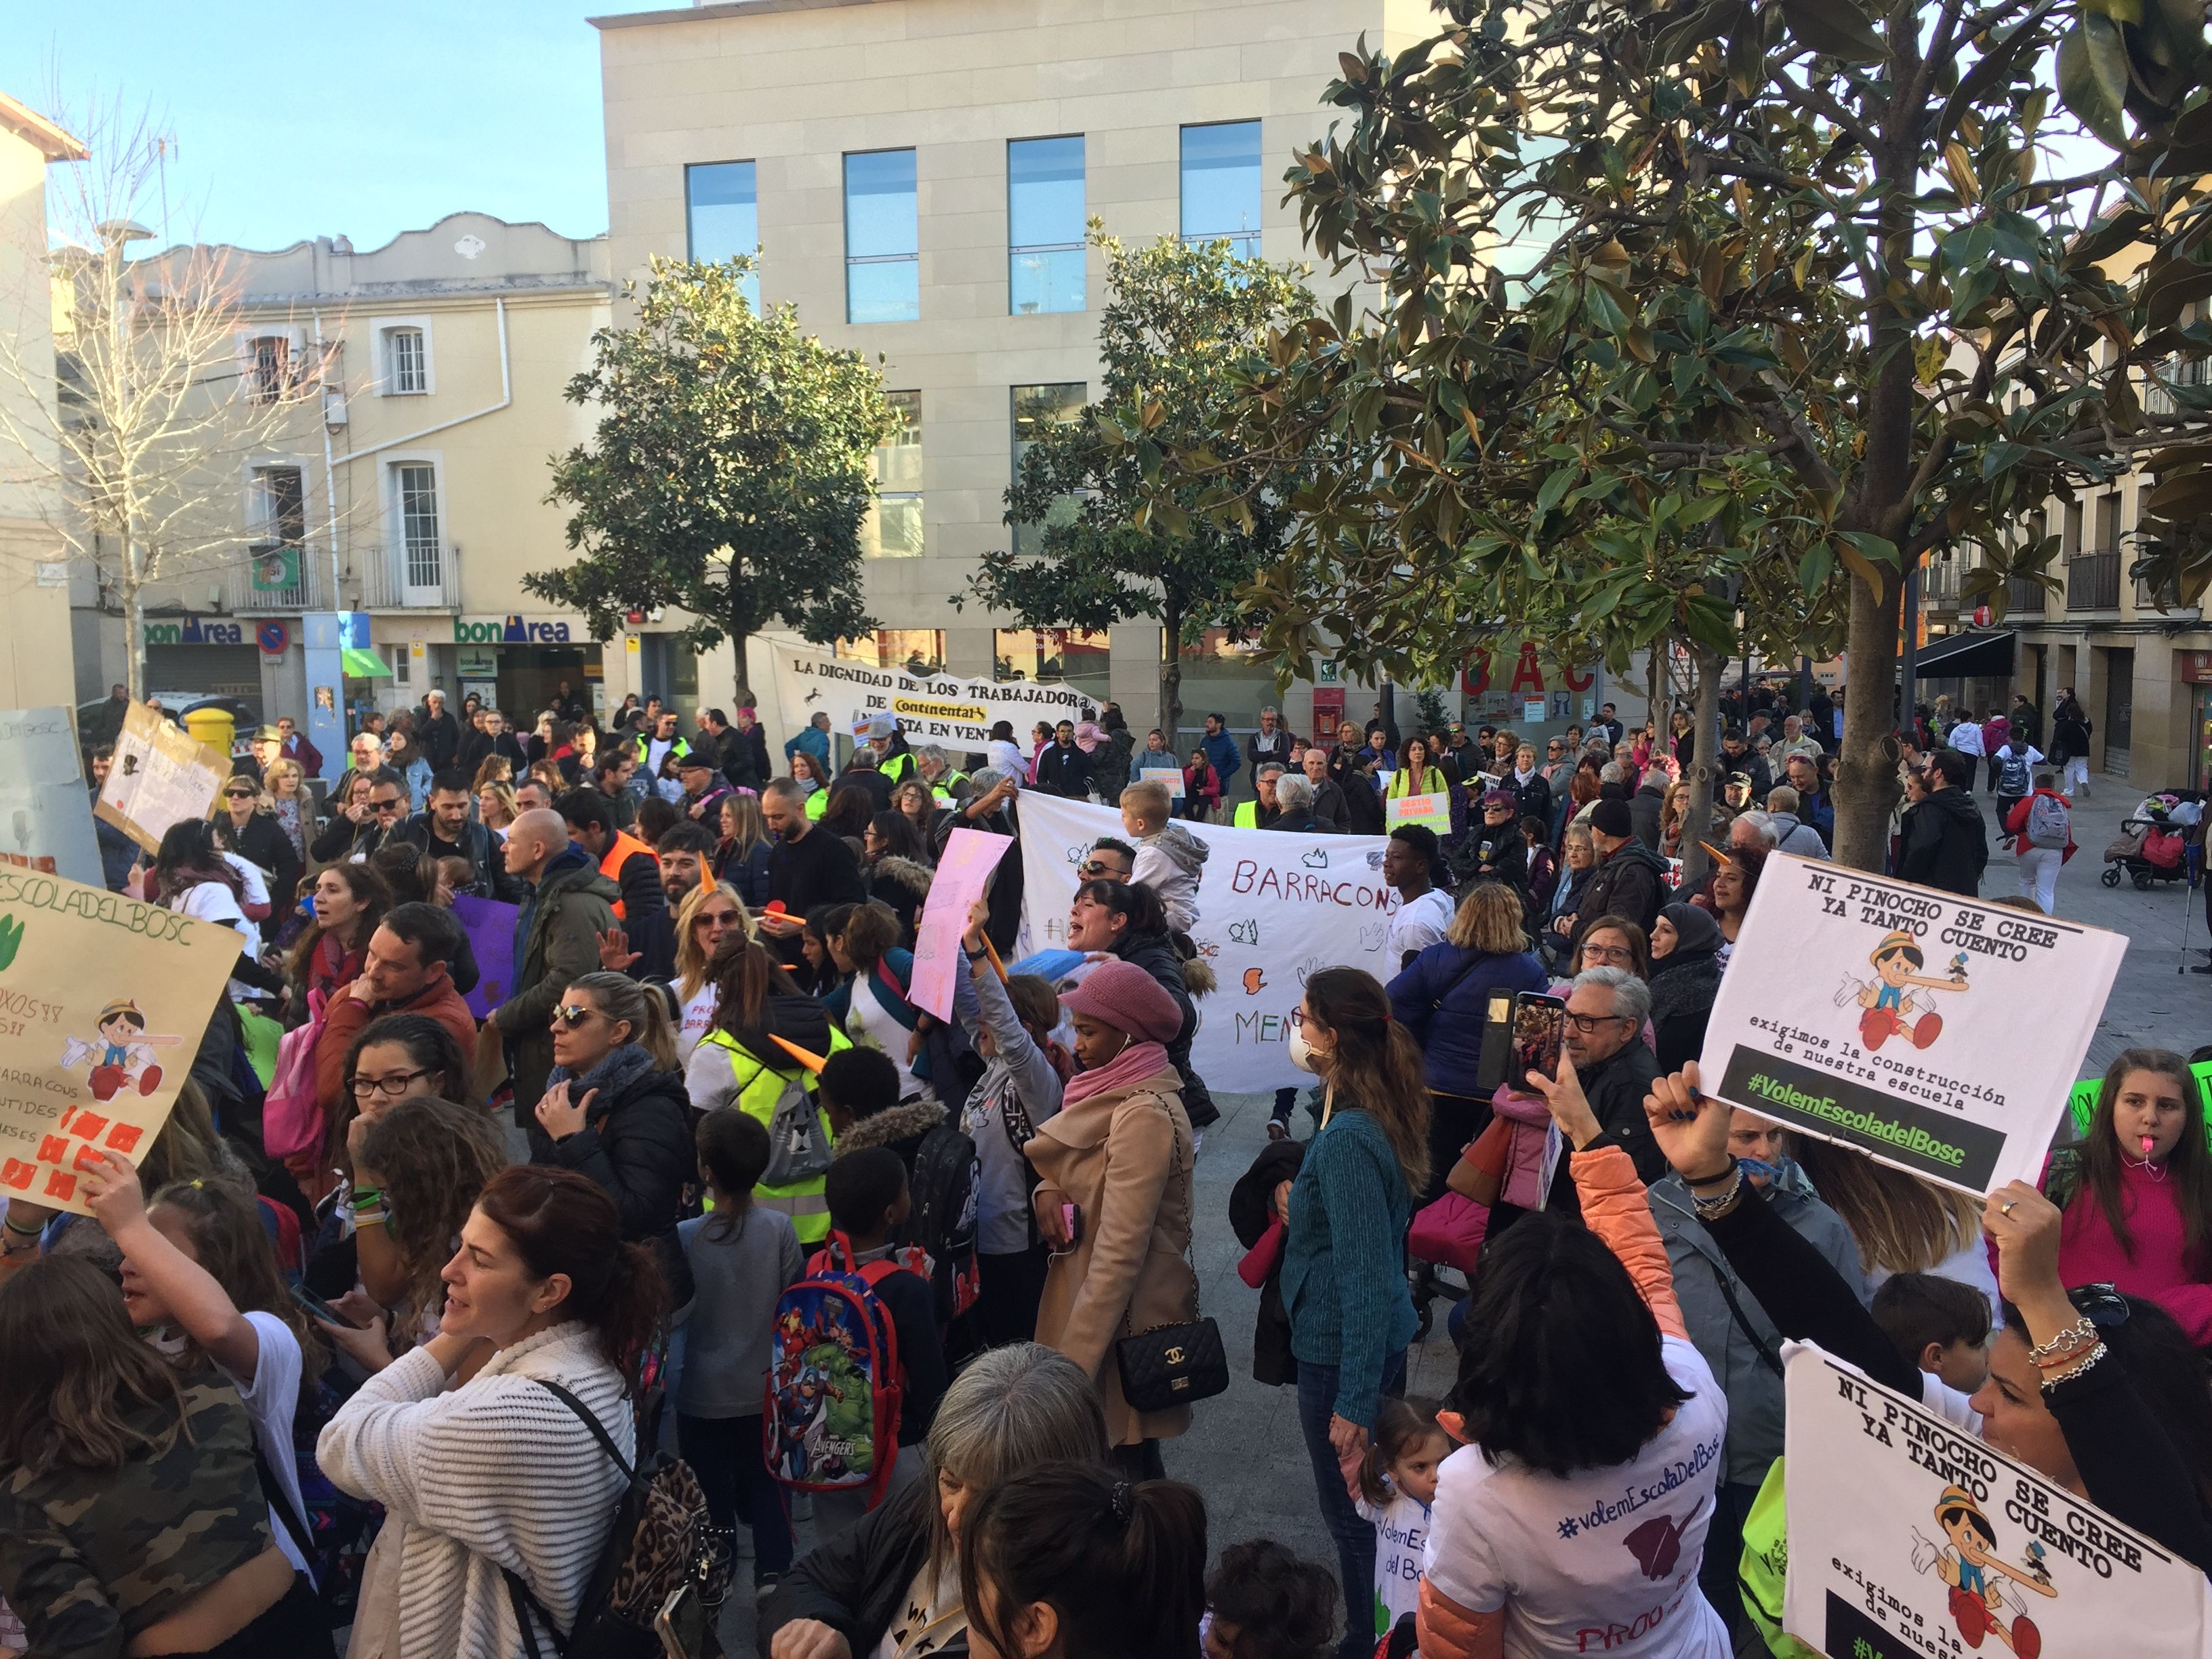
point(276, 579)
point(413, 576)
point(2162, 599)
point(1939, 583)
point(2025, 599)
point(2093, 581)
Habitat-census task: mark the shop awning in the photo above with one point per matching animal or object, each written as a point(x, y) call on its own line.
point(1986, 655)
point(364, 665)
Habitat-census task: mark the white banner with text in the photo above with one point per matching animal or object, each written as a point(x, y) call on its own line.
point(940, 709)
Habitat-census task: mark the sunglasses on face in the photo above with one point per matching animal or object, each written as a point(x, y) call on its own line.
point(238, 794)
point(571, 1014)
point(1095, 870)
point(384, 805)
point(715, 919)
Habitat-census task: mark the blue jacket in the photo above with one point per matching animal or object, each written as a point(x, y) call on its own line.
point(1344, 1260)
point(1221, 749)
point(1451, 1036)
point(814, 740)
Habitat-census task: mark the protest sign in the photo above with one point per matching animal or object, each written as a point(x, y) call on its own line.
point(1933, 1032)
point(1434, 810)
point(1909, 1536)
point(159, 777)
point(45, 817)
point(490, 927)
point(102, 1004)
point(941, 708)
point(1273, 907)
point(962, 875)
point(1170, 775)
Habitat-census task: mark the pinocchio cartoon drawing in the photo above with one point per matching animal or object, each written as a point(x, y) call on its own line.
point(121, 1057)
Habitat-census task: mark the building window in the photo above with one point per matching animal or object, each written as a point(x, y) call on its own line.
point(1035, 408)
point(415, 492)
point(883, 238)
point(1076, 655)
point(1044, 225)
point(406, 361)
point(893, 529)
point(280, 504)
point(268, 368)
point(1221, 186)
point(919, 651)
point(721, 217)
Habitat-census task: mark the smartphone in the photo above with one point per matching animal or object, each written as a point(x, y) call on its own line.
point(681, 1624)
point(1495, 1062)
point(322, 1309)
point(1071, 1217)
point(1540, 1022)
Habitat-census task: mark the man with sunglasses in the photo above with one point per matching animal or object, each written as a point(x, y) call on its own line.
point(359, 829)
point(569, 906)
point(407, 969)
point(1109, 861)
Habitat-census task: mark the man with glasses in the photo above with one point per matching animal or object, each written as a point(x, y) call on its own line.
point(569, 905)
point(1109, 861)
point(365, 825)
point(296, 747)
point(1605, 1065)
point(363, 755)
point(408, 969)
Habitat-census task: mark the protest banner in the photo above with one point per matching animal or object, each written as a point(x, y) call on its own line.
point(102, 1004)
point(490, 927)
point(1273, 907)
point(941, 708)
point(970, 856)
point(1934, 1033)
point(1170, 775)
point(1434, 810)
point(161, 777)
point(45, 817)
point(1909, 1536)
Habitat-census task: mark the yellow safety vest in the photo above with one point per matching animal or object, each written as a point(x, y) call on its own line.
point(817, 802)
point(1248, 815)
point(802, 1200)
point(944, 790)
point(897, 766)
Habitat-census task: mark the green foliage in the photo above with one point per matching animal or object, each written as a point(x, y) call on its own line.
point(730, 473)
point(1122, 535)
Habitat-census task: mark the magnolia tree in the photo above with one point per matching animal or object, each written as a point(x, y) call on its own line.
point(1116, 536)
point(730, 474)
point(1707, 320)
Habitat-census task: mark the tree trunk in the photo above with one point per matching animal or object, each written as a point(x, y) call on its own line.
point(1698, 813)
point(739, 635)
point(1866, 772)
point(1654, 680)
point(1171, 674)
point(134, 624)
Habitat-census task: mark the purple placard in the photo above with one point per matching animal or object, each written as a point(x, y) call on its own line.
point(962, 875)
point(490, 927)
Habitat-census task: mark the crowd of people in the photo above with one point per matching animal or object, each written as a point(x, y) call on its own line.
point(391, 1349)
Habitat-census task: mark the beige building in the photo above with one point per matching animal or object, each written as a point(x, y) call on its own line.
point(406, 487)
point(35, 661)
point(916, 175)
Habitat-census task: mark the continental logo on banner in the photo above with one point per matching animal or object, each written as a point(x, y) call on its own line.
point(920, 708)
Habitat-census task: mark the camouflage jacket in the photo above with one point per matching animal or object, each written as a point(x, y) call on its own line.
point(88, 1558)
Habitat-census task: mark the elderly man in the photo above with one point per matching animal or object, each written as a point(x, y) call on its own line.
point(946, 782)
point(1605, 1072)
point(1269, 744)
point(1814, 807)
point(1261, 813)
point(1294, 798)
point(886, 739)
point(437, 731)
point(556, 938)
point(1788, 831)
point(364, 754)
point(1631, 879)
point(1797, 741)
point(1329, 804)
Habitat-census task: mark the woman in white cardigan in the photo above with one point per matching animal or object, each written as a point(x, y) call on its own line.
point(497, 1474)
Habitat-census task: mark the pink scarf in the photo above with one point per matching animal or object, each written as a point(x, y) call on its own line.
point(1132, 1065)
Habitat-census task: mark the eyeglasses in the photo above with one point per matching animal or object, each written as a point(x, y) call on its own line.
point(573, 1014)
point(715, 919)
point(1619, 954)
point(238, 794)
point(384, 805)
point(1098, 871)
point(1588, 1023)
point(389, 1087)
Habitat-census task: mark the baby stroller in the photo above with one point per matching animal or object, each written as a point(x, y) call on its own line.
point(2153, 845)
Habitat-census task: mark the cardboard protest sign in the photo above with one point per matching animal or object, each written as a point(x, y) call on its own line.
point(1273, 907)
point(941, 708)
point(161, 777)
point(970, 856)
point(1170, 775)
point(102, 1004)
point(1934, 1033)
point(1434, 810)
point(1911, 1539)
point(490, 927)
point(45, 817)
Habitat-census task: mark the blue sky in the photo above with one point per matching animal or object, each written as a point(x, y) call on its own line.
point(304, 119)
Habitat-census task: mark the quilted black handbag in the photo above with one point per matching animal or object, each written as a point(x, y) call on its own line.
point(1171, 1365)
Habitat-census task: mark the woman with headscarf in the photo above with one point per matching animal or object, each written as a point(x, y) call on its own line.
point(1686, 975)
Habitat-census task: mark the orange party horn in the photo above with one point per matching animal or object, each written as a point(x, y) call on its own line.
point(811, 1061)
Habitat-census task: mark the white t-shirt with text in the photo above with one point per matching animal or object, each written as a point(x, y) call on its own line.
point(1401, 1536)
point(1418, 924)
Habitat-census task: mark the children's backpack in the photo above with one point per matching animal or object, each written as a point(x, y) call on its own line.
point(835, 1385)
point(2050, 822)
point(2012, 771)
point(942, 1218)
point(659, 1540)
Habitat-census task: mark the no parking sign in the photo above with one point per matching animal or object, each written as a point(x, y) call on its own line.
point(272, 637)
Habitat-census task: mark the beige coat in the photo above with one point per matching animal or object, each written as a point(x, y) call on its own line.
point(1124, 1158)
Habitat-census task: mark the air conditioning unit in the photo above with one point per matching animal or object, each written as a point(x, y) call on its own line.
point(334, 407)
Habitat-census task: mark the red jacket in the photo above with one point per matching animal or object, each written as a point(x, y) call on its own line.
point(2015, 821)
point(347, 1017)
point(1203, 782)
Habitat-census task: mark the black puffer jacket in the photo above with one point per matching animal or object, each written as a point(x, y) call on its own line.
point(1945, 843)
point(1251, 1209)
point(638, 1147)
point(856, 1582)
point(1156, 955)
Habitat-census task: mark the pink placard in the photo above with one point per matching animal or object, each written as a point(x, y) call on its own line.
point(962, 875)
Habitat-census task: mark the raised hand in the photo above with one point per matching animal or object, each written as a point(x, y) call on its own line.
point(1691, 1128)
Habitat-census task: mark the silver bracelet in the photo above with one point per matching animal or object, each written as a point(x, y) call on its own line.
point(2088, 1362)
point(1712, 1209)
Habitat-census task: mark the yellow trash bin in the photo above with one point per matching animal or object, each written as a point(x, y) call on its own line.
point(212, 727)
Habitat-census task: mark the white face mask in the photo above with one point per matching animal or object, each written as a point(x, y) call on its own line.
point(1303, 1054)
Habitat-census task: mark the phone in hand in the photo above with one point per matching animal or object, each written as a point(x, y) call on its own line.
point(681, 1624)
point(1540, 1024)
point(321, 1309)
point(1070, 1221)
point(1495, 1066)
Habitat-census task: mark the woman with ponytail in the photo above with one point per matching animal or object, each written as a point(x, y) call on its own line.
point(615, 1109)
point(1343, 1284)
point(499, 1475)
point(1068, 1561)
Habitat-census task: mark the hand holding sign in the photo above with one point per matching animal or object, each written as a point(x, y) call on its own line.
point(1691, 1128)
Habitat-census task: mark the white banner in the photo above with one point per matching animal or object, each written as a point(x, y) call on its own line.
point(1908, 1537)
point(1271, 909)
point(45, 814)
point(1934, 1033)
point(943, 708)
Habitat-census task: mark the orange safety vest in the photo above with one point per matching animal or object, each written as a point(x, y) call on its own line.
point(625, 847)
